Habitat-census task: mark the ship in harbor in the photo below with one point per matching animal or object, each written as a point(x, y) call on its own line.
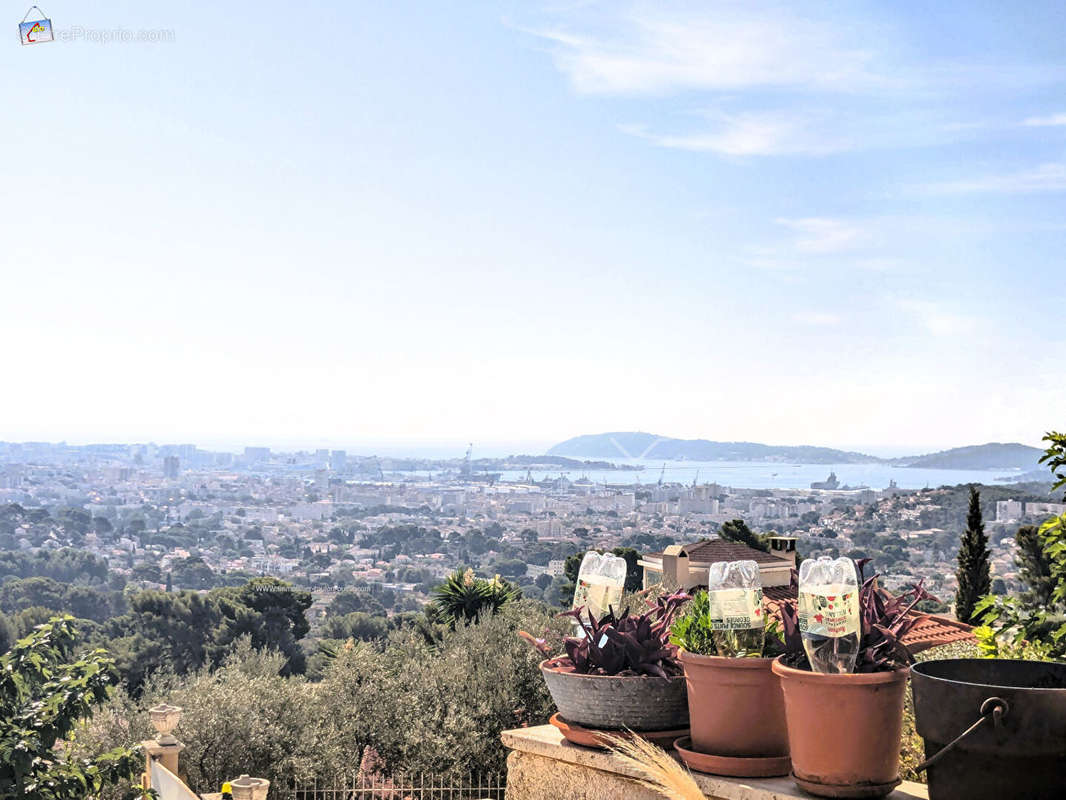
point(829, 483)
point(832, 483)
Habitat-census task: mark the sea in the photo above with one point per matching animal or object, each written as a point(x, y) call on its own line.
point(760, 475)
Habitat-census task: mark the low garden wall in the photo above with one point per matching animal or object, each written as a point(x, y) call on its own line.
point(544, 766)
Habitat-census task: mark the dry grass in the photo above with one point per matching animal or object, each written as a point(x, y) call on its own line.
point(662, 773)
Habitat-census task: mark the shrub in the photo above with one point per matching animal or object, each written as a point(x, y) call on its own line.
point(439, 707)
point(425, 703)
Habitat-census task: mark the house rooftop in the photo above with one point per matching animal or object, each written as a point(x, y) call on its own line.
point(710, 551)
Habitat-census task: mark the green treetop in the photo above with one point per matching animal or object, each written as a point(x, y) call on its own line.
point(43, 697)
point(974, 574)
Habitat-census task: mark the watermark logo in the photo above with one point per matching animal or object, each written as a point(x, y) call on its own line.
point(36, 31)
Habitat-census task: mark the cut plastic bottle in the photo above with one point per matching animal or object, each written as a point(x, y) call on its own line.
point(600, 583)
point(734, 594)
point(829, 613)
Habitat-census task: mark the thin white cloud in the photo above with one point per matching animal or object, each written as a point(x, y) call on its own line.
point(936, 319)
point(752, 134)
point(1050, 177)
point(823, 235)
point(780, 81)
point(1050, 121)
point(822, 319)
point(656, 49)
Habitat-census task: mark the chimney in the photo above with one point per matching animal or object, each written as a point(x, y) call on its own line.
point(784, 547)
point(675, 568)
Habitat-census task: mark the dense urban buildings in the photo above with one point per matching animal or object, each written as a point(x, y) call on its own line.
point(176, 516)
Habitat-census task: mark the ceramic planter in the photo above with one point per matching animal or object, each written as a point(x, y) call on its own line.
point(736, 708)
point(844, 730)
point(614, 702)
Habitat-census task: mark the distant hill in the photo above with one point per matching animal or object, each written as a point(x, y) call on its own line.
point(648, 445)
point(993, 455)
point(631, 444)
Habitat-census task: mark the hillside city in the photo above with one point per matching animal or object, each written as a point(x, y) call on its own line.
point(386, 531)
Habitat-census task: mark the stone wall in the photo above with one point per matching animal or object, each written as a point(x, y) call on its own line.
point(544, 766)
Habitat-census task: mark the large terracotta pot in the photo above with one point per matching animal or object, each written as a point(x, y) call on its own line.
point(735, 706)
point(615, 702)
point(844, 730)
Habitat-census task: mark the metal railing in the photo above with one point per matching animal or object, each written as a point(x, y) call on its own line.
point(397, 787)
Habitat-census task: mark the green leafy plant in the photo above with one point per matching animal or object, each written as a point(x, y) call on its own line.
point(692, 631)
point(1020, 627)
point(43, 698)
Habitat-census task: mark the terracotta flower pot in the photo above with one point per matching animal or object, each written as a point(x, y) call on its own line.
point(844, 730)
point(735, 706)
point(614, 702)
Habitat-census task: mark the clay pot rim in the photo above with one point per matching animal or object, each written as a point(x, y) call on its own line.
point(725, 662)
point(843, 679)
point(547, 666)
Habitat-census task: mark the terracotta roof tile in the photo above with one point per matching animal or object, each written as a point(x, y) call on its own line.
point(932, 631)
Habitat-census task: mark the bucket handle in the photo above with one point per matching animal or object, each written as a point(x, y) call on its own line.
point(994, 708)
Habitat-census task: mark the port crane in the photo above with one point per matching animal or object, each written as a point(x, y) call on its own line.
point(466, 472)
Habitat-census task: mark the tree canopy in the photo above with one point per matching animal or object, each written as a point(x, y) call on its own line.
point(43, 696)
point(974, 572)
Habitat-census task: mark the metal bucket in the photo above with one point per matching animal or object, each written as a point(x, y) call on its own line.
point(993, 729)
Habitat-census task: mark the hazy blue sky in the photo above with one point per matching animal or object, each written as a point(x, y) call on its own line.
point(509, 222)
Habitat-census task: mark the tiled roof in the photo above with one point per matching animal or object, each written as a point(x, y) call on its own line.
point(932, 631)
point(711, 551)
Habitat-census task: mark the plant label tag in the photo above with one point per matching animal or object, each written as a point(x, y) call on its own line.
point(832, 611)
point(735, 609)
point(596, 596)
point(36, 31)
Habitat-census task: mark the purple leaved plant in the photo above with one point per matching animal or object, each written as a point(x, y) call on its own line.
point(621, 644)
point(885, 620)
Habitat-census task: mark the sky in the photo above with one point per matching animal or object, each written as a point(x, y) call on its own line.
point(388, 224)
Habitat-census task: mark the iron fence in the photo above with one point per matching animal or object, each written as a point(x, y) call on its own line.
point(401, 787)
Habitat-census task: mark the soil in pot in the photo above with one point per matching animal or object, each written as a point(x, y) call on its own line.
point(616, 702)
point(844, 730)
point(736, 708)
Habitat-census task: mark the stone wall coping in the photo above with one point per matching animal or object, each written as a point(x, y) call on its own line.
point(548, 742)
point(155, 749)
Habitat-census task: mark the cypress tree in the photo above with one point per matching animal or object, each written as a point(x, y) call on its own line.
point(973, 574)
point(1034, 566)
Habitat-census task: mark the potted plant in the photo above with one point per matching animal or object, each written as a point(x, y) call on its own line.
point(844, 729)
point(736, 710)
point(622, 673)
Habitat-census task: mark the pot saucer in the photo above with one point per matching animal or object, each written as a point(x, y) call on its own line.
point(599, 738)
point(732, 766)
point(846, 790)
